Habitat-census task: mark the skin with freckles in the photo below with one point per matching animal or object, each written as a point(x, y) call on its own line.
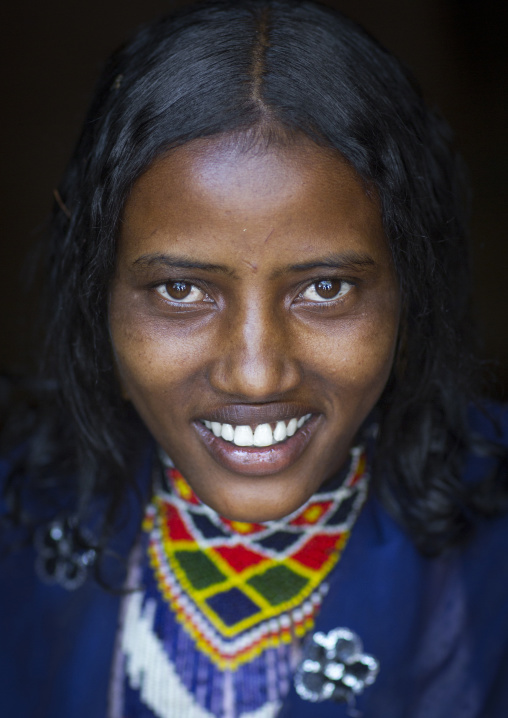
point(253, 286)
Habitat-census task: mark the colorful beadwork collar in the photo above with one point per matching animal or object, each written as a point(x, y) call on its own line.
point(239, 588)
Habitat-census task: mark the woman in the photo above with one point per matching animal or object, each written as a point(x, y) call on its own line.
point(256, 482)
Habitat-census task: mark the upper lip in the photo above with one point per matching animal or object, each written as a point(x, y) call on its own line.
point(250, 414)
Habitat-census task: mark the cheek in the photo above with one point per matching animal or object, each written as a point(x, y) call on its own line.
point(152, 364)
point(358, 356)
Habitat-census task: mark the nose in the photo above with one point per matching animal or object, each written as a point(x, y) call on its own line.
point(256, 359)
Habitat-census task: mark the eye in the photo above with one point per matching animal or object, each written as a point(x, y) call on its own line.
point(181, 292)
point(325, 290)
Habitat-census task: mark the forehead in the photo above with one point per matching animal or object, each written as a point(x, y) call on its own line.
point(217, 193)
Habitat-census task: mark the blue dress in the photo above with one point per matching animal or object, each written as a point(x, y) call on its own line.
point(439, 627)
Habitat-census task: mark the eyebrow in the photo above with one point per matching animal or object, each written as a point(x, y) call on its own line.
point(350, 260)
point(168, 260)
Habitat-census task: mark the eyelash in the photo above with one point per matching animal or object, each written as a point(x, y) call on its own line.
point(162, 288)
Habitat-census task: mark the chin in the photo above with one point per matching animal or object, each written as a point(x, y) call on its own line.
point(264, 508)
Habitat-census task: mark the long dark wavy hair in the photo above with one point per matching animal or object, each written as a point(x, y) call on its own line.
point(230, 66)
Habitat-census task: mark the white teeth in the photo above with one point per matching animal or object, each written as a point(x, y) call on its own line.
point(243, 436)
point(216, 428)
point(292, 427)
point(227, 432)
point(280, 432)
point(262, 436)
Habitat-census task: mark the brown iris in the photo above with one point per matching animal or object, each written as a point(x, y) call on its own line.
point(328, 288)
point(178, 290)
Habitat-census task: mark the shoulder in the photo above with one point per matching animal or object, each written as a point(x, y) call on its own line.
point(486, 473)
point(52, 636)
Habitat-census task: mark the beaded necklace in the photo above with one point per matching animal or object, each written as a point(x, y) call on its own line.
point(217, 628)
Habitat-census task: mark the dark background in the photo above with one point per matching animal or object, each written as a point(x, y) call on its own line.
point(53, 51)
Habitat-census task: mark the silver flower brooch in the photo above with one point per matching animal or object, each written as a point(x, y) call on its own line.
point(334, 667)
point(64, 553)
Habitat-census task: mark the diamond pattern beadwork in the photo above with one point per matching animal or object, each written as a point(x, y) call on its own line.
point(238, 588)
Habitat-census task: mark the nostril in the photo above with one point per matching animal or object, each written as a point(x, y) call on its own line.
point(258, 378)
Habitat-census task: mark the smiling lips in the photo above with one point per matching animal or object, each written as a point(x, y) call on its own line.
point(258, 449)
point(261, 436)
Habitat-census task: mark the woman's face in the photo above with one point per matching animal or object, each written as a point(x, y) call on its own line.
point(254, 296)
